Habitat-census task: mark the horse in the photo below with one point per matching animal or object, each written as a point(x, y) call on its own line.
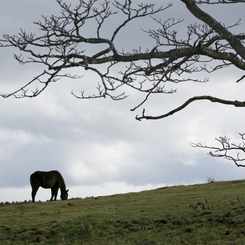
point(52, 179)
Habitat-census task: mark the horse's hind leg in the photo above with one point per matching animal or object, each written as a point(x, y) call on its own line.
point(33, 193)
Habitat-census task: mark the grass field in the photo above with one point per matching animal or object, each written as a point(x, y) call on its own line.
point(211, 213)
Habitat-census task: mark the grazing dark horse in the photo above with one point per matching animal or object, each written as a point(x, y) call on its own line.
point(51, 179)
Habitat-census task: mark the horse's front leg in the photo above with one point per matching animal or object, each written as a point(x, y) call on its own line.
point(33, 193)
point(54, 192)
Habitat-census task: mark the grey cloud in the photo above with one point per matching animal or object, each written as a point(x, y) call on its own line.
point(97, 143)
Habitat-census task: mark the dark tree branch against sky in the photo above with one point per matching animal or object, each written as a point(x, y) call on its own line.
point(84, 38)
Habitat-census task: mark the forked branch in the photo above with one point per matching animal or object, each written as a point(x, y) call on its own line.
point(229, 151)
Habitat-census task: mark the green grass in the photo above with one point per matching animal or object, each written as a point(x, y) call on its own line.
point(211, 213)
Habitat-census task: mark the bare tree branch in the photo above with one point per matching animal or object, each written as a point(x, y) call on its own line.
point(62, 43)
point(205, 97)
point(215, 25)
point(228, 151)
point(220, 1)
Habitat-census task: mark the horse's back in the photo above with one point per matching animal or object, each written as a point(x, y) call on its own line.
point(46, 179)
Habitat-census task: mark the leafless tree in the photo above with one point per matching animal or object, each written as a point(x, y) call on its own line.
point(61, 46)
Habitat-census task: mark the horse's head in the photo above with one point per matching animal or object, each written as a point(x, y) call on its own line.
point(64, 195)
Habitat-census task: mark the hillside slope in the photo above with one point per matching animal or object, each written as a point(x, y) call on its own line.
point(211, 213)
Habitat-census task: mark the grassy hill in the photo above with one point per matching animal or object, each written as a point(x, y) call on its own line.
point(211, 213)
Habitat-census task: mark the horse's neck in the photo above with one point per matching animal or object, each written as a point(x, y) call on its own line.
point(63, 187)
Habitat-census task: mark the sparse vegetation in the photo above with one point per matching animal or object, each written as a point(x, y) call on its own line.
point(196, 214)
point(211, 179)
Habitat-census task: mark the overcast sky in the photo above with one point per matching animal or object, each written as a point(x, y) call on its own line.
point(97, 145)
